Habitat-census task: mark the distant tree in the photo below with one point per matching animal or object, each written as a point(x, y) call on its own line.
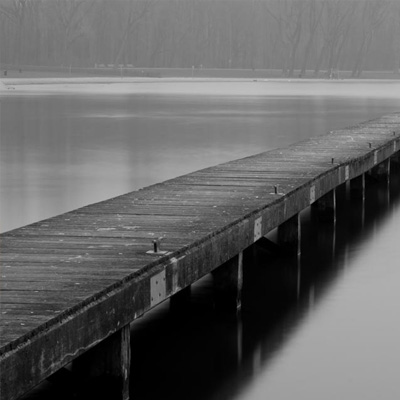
point(315, 10)
point(335, 28)
point(15, 10)
point(289, 19)
point(72, 15)
point(373, 14)
point(396, 38)
point(136, 11)
point(285, 34)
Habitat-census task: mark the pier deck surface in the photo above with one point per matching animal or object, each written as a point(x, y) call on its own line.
point(70, 281)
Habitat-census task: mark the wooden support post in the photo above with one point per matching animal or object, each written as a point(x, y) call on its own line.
point(326, 207)
point(357, 192)
point(105, 369)
point(228, 283)
point(395, 158)
point(289, 235)
point(357, 187)
point(381, 172)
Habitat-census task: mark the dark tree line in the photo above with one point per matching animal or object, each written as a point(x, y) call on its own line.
point(290, 35)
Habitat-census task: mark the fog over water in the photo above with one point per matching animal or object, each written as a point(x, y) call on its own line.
point(325, 327)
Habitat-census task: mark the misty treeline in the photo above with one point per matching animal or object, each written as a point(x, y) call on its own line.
point(292, 35)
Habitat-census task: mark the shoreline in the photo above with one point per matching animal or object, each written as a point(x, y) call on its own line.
point(234, 87)
point(130, 79)
point(23, 81)
point(31, 75)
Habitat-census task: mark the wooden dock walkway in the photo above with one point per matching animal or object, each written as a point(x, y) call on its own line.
point(76, 281)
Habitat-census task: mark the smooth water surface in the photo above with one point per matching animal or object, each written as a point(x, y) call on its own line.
point(65, 146)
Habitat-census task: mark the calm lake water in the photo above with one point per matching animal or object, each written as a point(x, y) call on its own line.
point(65, 146)
point(326, 327)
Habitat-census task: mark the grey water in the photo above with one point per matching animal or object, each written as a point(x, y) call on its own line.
point(63, 146)
point(322, 327)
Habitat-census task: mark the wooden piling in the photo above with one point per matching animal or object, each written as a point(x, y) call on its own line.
point(381, 172)
point(325, 207)
point(289, 235)
point(395, 158)
point(357, 187)
point(228, 283)
point(106, 367)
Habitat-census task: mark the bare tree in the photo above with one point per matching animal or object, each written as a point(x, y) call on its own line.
point(284, 34)
point(315, 10)
point(15, 10)
point(373, 15)
point(136, 11)
point(335, 28)
point(396, 39)
point(71, 14)
point(289, 19)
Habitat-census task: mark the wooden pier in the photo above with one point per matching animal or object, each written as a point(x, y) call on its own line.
point(71, 285)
